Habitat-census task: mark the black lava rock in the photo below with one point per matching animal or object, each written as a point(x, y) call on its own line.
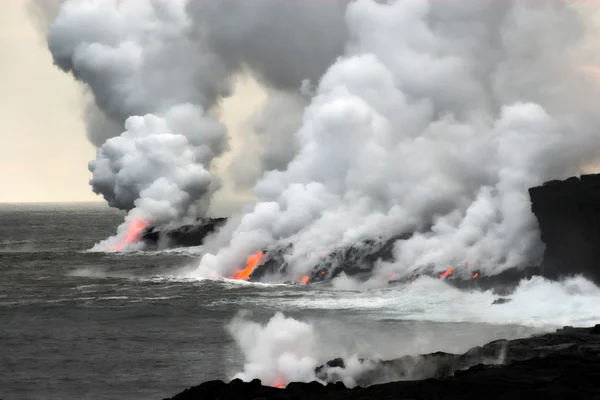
point(183, 236)
point(568, 214)
point(560, 365)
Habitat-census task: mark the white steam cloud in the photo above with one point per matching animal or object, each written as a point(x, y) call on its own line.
point(145, 71)
point(278, 352)
point(438, 118)
point(160, 68)
point(383, 117)
point(285, 350)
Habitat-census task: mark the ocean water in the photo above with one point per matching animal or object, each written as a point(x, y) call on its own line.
point(76, 324)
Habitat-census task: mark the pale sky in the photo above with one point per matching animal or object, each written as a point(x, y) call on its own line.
point(43, 149)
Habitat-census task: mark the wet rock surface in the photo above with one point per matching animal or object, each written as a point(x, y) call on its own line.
point(560, 365)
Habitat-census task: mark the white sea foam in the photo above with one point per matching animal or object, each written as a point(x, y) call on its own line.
point(536, 302)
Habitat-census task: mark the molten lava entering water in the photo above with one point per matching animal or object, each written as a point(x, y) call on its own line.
point(134, 230)
point(448, 272)
point(475, 275)
point(305, 279)
point(279, 383)
point(251, 263)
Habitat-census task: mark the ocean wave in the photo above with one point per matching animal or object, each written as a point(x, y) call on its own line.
point(537, 302)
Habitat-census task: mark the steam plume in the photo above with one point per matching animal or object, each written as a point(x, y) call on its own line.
point(159, 68)
point(281, 351)
point(285, 350)
point(438, 118)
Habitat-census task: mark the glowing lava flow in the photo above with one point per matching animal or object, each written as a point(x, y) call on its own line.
point(279, 383)
point(448, 272)
point(305, 279)
point(251, 263)
point(475, 275)
point(132, 235)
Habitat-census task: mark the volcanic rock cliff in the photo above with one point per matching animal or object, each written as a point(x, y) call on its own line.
point(568, 214)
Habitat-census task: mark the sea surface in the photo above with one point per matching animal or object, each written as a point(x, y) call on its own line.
point(76, 324)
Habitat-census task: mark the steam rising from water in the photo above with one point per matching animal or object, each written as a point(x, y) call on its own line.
point(284, 350)
point(160, 68)
point(420, 115)
point(280, 351)
point(438, 118)
point(144, 72)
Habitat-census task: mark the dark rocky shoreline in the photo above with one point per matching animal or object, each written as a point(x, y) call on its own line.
point(568, 214)
point(560, 365)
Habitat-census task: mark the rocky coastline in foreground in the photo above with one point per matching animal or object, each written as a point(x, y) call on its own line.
point(561, 365)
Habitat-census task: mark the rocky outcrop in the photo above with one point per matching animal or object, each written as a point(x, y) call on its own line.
point(182, 236)
point(561, 365)
point(357, 260)
point(568, 214)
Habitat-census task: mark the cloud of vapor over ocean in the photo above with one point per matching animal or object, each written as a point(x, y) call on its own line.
point(412, 115)
point(437, 118)
point(157, 71)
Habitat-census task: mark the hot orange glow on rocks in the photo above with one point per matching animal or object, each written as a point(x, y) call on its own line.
point(447, 273)
point(279, 383)
point(133, 234)
point(251, 263)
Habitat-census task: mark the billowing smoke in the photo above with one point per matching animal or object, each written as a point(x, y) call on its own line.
point(160, 68)
point(423, 116)
point(286, 350)
point(145, 71)
point(437, 119)
point(279, 352)
point(274, 126)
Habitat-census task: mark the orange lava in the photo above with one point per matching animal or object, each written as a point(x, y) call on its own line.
point(251, 263)
point(134, 231)
point(305, 279)
point(279, 383)
point(475, 275)
point(448, 272)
